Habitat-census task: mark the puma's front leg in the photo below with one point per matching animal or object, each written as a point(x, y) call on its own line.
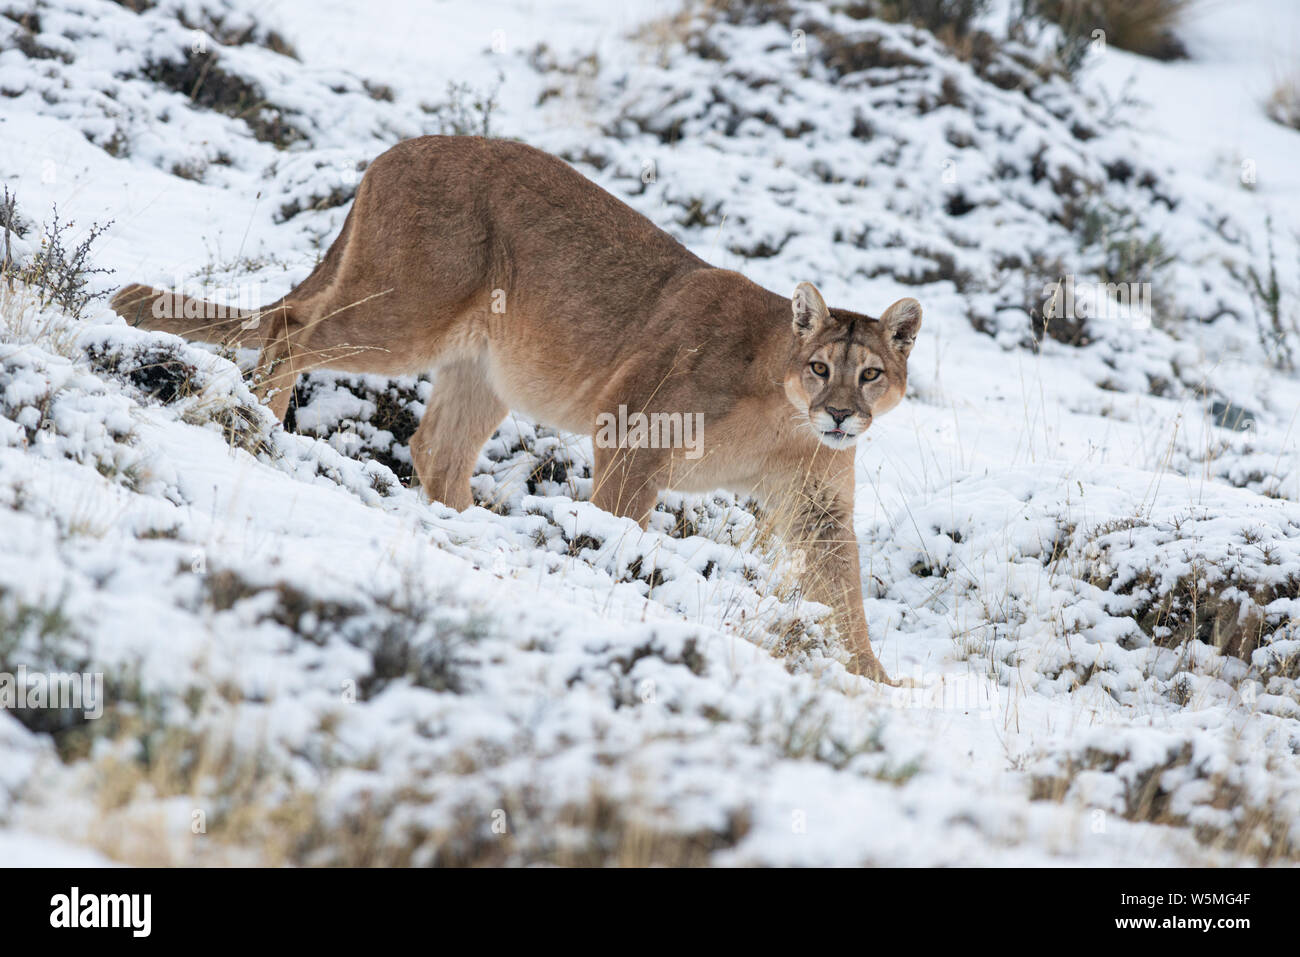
point(822, 528)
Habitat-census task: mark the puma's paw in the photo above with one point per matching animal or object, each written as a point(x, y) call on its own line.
point(868, 667)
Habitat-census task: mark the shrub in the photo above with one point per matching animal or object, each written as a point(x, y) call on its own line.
point(1139, 26)
point(201, 77)
point(1283, 104)
point(466, 111)
point(58, 274)
point(1277, 330)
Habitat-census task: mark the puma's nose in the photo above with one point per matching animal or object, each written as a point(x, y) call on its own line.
point(839, 415)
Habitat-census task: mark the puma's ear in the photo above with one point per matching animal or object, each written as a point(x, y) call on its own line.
point(810, 312)
point(901, 322)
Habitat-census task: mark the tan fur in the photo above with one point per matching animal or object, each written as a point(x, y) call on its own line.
point(528, 287)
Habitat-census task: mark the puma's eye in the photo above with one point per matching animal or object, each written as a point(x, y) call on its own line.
point(820, 369)
point(871, 375)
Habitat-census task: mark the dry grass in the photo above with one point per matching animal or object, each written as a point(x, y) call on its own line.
point(25, 321)
point(1283, 104)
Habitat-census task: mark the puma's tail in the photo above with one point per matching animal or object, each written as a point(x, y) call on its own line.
point(182, 315)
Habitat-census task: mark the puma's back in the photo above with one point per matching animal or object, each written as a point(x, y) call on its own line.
point(524, 222)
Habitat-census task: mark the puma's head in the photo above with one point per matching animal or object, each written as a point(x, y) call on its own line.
point(847, 368)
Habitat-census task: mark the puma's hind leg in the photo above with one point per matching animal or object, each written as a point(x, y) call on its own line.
point(462, 414)
point(626, 481)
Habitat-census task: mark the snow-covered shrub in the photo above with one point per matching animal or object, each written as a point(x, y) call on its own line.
point(1179, 781)
point(199, 76)
point(54, 409)
point(201, 90)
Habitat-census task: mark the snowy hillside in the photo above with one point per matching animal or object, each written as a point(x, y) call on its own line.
point(1080, 535)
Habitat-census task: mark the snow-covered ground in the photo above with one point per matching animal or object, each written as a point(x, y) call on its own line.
point(1081, 544)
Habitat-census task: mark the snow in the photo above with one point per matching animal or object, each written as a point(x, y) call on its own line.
point(325, 668)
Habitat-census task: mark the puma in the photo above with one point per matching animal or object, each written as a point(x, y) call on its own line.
point(528, 287)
